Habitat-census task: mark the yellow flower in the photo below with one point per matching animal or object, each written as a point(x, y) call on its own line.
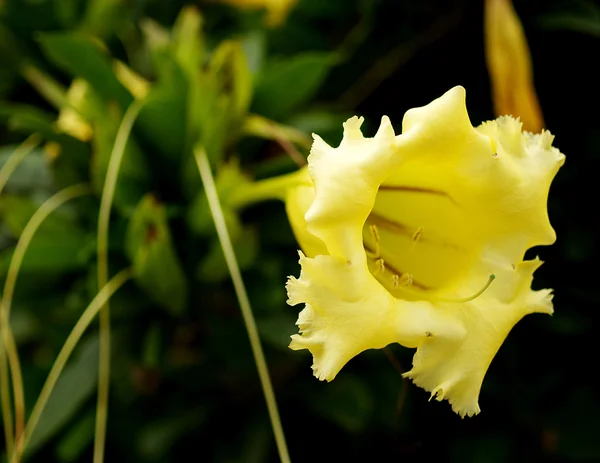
point(277, 10)
point(419, 239)
point(509, 65)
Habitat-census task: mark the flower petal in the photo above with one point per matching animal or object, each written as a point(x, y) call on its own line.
point(347, 311)
point(455, 371)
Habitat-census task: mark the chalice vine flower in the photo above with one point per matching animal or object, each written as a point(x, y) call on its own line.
point(419, 239)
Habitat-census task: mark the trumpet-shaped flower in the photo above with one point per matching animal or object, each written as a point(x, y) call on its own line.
point(419, 239)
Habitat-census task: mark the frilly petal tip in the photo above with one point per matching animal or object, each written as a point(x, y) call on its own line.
point(385, 131)
point(464, 407)
point(293, 287)
point(352, 128)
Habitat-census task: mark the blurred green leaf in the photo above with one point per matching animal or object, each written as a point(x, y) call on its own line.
point(288, 83)
point(162, 120)
point(155, 263)
point(226, 98)
point(213, 267)
point(188, 40)
point(482, 449)
point(69, 161)
point(83, 58)
point(255, 49)
point(155, 439)
point(74, 387)
point(134, 173)
point(347, 401)
point(76, 439)
point(32, 175)
point(151, 351)
point(277, 329)
point(229, 177)
point(52, 254)
point(102, 17)
point(16, 211)
point(579, 16)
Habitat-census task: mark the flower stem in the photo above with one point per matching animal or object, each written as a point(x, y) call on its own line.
point(108, 193)
point(261, 190)
point(67, 349)
point(6, 171)
point(240, 290)
point(33, 224)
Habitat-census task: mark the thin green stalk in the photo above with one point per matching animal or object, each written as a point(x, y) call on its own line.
point(67, 349)
point(108, 193)
point(7, 416)
point(16, 158)
point(6, 171)
point(240, 290)
point(33, 224)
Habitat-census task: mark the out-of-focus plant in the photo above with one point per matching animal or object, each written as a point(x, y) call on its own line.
point(130, 135)
point(277, 10)
point(509, 65)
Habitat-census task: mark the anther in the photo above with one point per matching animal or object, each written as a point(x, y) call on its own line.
point(417, 235)
point(405, 280)
point(379, 266)
point(375, 236)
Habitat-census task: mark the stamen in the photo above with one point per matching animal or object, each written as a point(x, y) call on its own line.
point(417, 235)
point(379, 266)
point(491, 278)
point(405, 280)
point(375, 235)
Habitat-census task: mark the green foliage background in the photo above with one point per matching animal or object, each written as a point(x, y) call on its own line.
point(184, 383)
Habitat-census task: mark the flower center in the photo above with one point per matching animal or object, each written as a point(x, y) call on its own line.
point(417, 240)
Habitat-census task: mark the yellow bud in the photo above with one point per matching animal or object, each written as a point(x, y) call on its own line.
point(509, 65)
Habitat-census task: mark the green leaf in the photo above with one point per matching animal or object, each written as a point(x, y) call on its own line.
point(33, 175)
point(199, 218)
point(290, 82)
point(134, 173)
point(162, 120)
point(188, 41)
point(277, 329)
point(155, 439)
point(155, 263)
point(77, 439)
point(102, 17)
point(74, 387)
point(579, 16)
point(53, 254)
point(254, 45)
point(348, 402)
point(83, 58)
point(220, 109)
point(213, 267)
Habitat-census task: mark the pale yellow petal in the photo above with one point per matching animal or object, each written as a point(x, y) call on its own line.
point(421, 238)
point(455, 371)
point(347, 311)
